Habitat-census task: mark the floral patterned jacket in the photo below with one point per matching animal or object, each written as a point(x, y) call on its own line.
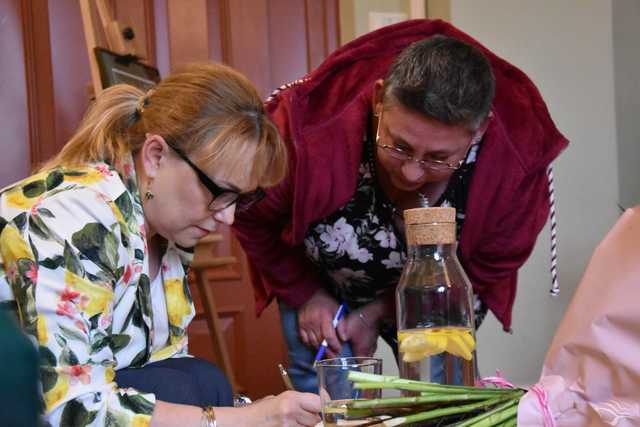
point(74, 264)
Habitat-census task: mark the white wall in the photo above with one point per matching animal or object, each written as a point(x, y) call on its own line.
point(626, 54)
point(354, 15)
point(566, 49)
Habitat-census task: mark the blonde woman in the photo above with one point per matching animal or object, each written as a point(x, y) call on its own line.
point(93, 258)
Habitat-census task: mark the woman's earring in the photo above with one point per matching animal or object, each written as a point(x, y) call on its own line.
point(148, 195)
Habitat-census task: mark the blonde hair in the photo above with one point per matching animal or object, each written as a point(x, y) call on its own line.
point(209, 111)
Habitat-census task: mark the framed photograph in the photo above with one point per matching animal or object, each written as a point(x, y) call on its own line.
point(115, 69)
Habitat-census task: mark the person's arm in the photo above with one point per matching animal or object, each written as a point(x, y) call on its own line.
point(18, 374)
point(278, 268)
point(286, 271)
point(286, 409)
point(65, 260)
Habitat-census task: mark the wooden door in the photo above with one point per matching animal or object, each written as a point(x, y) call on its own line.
point(14, 139)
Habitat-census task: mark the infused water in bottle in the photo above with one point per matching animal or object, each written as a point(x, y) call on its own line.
point(436, 334)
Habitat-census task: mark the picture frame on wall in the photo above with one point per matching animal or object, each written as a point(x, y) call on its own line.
point(115, 69)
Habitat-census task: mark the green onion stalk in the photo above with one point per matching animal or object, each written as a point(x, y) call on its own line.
point(432, 404)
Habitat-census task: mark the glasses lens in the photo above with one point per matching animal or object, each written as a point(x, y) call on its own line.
point(438, 167)
point(247, 200)
point(396, 153)
point(223, 201)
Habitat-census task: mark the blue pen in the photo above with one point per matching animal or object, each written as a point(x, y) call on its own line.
point(334, 323)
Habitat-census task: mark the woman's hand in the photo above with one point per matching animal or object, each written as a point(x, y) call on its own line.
point(286, 409)
point(290, 408)
point(315, 322)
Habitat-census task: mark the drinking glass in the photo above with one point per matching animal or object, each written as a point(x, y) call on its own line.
point(336, 390)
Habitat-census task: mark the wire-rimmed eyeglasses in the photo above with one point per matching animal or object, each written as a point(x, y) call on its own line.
point(433, 164)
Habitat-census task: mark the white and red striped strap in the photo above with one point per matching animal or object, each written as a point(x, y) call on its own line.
point(555, 287)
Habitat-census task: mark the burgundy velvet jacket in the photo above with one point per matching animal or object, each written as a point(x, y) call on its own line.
point(322, 120)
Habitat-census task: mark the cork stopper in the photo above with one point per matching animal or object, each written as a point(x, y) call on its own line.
point(430, 226)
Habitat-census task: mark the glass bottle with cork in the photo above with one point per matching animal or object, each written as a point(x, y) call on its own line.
point(436, 333)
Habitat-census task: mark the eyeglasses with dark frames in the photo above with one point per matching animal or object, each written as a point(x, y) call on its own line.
point(222, 197)
point(433, 164)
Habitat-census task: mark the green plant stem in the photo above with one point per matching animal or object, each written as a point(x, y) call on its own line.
point(440, 412)
point(386, 381)
point(511, 422)
point(433, 389)
point(394, 402)
point(494, 416)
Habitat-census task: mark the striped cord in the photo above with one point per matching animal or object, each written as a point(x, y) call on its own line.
point(555, 287)
point(277, 91)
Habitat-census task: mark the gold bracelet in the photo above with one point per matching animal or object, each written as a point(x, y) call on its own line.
point(208, 417)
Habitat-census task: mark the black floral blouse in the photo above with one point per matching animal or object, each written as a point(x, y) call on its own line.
point(360, 248)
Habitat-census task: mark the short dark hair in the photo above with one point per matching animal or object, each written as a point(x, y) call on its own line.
point(444, 78)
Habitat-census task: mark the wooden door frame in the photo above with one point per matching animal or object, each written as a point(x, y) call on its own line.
point(39, 79)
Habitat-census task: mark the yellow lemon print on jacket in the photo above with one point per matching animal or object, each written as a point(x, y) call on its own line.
point(13, 247)
point(86, 176)
point(141, 420)
point(16, 197)
point(178, 305)
point(57, 393)
point(99, 297)
point(41, 328)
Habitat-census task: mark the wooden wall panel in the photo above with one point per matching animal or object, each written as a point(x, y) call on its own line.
point(39, 78)
point(217, 31)
point(316, 38)
point(161, 35)
point(248, 40)
point(70, 67)
point(332, 26)
point(188, 32)
point(287, 41)
point(14, 117)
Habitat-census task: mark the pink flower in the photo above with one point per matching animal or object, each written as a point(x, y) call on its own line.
point(80, 325)
point(34, 209)
point(127, 274)
point(69, 295)
point(79, 373)
point(32, 274)
point(104, 170)
point(66, 309)
point(127, 170)
point(84, 300)
point(105, 320)
point(165, 267)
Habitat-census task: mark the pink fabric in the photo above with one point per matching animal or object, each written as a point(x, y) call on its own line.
point(543, 402)
point(323, 119)
point(591, 373)
point(498, 381)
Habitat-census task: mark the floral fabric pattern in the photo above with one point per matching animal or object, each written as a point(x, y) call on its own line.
point(359, 247)
point(73, 259)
